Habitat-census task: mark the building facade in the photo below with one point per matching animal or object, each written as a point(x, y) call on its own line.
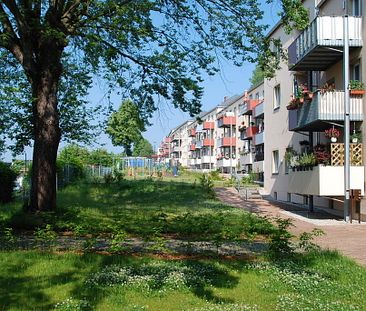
point(295, 156)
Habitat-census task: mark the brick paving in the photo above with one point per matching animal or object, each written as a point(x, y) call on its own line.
point(349, 239)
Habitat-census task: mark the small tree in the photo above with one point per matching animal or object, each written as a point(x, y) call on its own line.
point(125, 126)
point(7, 182)
point(142, 148)
point(100, 157)
point(257, 76)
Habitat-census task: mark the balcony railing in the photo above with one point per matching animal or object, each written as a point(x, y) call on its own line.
point(226, 121)
point(259, 138)
point(208, 142)
point(192, 132)
point(223, 162)
point(208, 125)
point(199, 144)
point(248, 106)
point(258, 110)
point(226, 142)
point(208, 159)
point(246, 158)
point(317, 47)
point(258, 166)
point(329, 106)
point(176, 149)
point(325, 180)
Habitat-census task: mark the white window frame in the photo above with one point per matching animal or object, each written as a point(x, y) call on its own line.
point(277, 97)
point(275, 161)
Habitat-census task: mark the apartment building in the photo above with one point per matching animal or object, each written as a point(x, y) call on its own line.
point(228, 144)
point(179, 143)
point(311, 87)
point(295, 158)
point(203, 133)
point(252, 132)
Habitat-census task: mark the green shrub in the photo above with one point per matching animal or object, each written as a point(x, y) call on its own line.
point(215, 175)
point(7, 182)
point(249, 179)
point(206, 183)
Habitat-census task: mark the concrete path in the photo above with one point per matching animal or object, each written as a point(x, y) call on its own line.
point(349, 239)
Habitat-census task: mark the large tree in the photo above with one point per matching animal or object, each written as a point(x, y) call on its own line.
point(142, 148)
point(152, 49)
point(125, 126)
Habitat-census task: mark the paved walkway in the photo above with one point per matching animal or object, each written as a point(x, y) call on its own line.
point(349, 239)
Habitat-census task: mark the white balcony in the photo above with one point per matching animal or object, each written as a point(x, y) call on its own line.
point(258, 167)
point(226, 163)
point(325, 181)
point(246, 158)
point(320, 44)
point(324, 107)
point(207, 159)
point(176, 149)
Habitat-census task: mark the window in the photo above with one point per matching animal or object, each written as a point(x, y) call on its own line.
point(275, 161)
point(356, 7)
point(356, 72)
point(276, 97)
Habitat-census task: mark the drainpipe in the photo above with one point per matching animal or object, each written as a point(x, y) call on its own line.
point(346, 116)
point(311, 197)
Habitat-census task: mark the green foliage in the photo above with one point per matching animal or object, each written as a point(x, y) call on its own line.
point(306, 240)
point(118, 176)
point(356, 85)
point(142, 148)
point(280, 244)
point(99, 157)
point(215, 175)
point(46, 234)
point(257, 76)
point(7, 182)
point(206, 183)
point(73, 154)
point(7, 238)
point(249, 179)
point(125, 126)
point(318, 281)
point(117, 238)
point(294, 15)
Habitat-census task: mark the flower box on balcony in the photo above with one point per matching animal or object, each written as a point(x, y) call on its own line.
point(357, 92)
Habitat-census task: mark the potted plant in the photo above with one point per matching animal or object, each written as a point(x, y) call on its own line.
point(293, 104)
point(321, 154)
point(356, 137)
point(327, 87)
point(356, 87)
point(333, 134)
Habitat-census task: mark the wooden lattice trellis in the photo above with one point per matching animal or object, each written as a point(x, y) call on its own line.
point(337, 154)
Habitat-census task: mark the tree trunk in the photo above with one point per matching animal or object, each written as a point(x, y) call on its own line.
point(47, 136)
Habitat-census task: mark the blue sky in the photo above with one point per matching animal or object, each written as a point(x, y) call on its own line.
point(230, 81)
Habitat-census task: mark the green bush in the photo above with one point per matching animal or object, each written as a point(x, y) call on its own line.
point(7, 182)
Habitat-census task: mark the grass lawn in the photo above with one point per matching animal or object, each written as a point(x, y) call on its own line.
point(141, 208)
point(32, 280)
point(46, 280)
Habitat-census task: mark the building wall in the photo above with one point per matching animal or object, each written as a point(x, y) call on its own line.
point(277, 135)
